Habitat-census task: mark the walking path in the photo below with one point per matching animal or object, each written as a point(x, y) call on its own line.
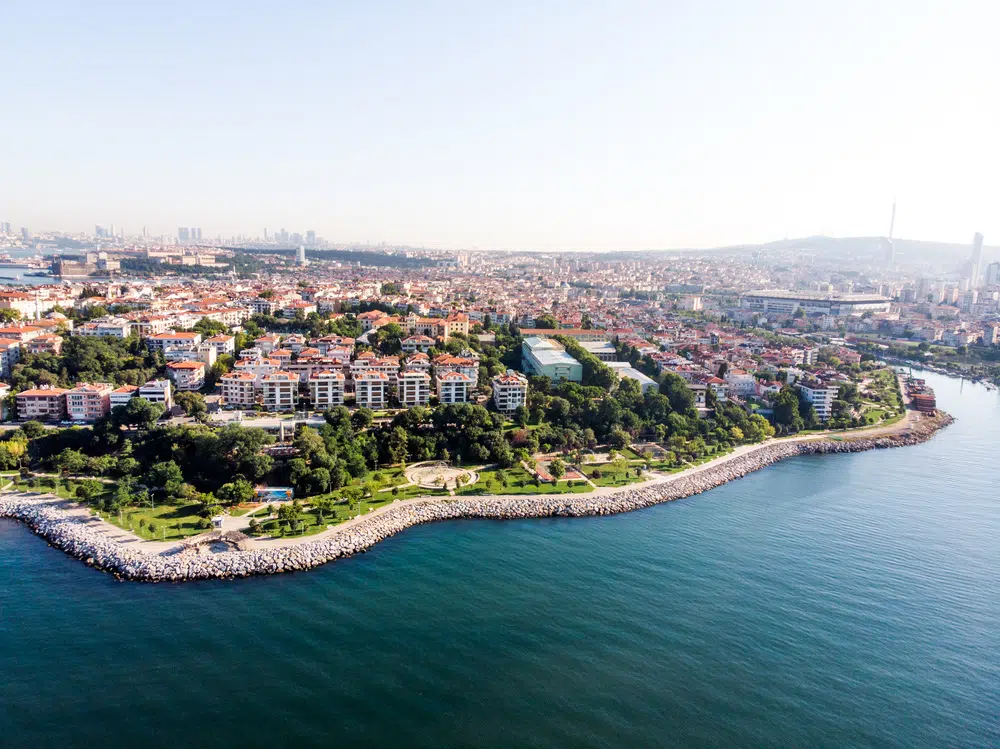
point(113, 533)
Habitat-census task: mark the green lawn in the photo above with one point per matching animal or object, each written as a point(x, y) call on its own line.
point(609, 478)
point(520, 482)
point(172, 522)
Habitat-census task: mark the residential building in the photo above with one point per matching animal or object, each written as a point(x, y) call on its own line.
point(414, 343)
point(326, 389)
point(88, 402)
point(454, 387)
point(121, 396)
point(820, 394)
point(44, 404)
point(187, 375)
point(741, 383)
point(510, 390)
point(465, 365)
point(370, 388)
point(157, 391)
point(223, 344)
point(780, 302)
point(281, 391)
point(161, 341)
point(45, 344)
point(414, 388)
point(10, 354)
point(238, 389)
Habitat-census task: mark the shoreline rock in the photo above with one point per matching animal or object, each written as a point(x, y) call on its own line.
point(75, 535)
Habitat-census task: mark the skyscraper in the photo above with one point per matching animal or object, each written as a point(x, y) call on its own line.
point(991, 277)
point(310, 237)
point(977, 259)
point(24, 233)
point(300, 256)
point(890, 246)
point(182, 234)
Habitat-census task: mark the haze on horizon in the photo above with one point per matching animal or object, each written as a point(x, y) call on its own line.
point(599, 127)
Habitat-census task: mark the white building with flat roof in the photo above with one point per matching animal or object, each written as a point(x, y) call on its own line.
point(821, 395)
point(454, 387)
point(370, 388)
point(414, 388)
point(281, 391)
point(326, 389)
point(510, 390)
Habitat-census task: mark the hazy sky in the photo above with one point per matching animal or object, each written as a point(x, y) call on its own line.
point(530, 125)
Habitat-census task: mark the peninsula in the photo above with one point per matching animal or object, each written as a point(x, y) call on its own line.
point(76, 531)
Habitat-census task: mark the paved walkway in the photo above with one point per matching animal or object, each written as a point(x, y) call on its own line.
point(112, 531)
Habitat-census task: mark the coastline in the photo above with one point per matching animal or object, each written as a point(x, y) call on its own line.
point(71, 528)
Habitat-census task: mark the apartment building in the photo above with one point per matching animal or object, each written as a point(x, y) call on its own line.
point(223, 344)
point(454, 387)
point(44, 404)
point(281, 391)
point(121, 396)
point(161, 341)
point(467, 366)
point(157, 391)
point(326, 389)
point(88, 402)
point(413, 343)
point(820, 394)
point(510, 390)
point(414, 388)
point(187, 375)
point(370, 388)
point(239, 389)
point(10, 354)
point(45, 344)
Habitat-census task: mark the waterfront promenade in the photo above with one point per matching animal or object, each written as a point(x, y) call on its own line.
point(79, 533)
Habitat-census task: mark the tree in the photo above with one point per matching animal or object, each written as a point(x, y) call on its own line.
point(557, 468)
point(786, 409)
point(362, 418)
point(193, 404)
point(165, 476)
point(138, 413)
point(546, 321)
point(236, 492)
point(33, 429)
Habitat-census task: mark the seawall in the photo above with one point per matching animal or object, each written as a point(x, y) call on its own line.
point(47, 516)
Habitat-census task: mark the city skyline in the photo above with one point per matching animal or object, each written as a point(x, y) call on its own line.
point(598, 128)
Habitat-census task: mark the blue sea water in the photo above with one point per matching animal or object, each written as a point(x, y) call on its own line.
point(827, 601)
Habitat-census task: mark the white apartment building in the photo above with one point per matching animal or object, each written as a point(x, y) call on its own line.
point(821, 395)
point(414, 388)
point(239, 389)
point(259, 368)
point(223, 344)
point(187, 375)
point(370, 389)
point(510, 390)
point(465, 365)
point(161, 341)
point(10, 354)
point(415, 343)
point(741, 383)
point(454, 387)
point(281, 391)
point(121, 396)
point(157, 391)
point(326, 389)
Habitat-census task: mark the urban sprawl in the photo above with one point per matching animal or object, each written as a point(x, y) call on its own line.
point(205, 375)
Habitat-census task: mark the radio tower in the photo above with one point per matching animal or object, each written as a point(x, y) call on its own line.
point(890, 248)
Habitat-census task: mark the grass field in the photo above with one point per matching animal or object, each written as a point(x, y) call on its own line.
point(520, 482)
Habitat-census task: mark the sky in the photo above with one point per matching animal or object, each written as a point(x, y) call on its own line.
point(518, 125)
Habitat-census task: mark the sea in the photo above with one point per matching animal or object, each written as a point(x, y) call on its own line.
point(826, 601)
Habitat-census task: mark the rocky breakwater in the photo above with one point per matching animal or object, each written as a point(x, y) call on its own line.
point(84, 537)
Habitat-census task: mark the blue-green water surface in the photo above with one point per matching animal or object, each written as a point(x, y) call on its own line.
point(827, 601)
